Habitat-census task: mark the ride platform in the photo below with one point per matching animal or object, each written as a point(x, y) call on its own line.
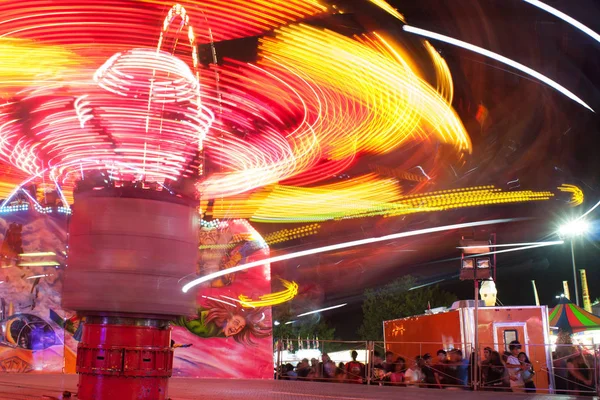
point(51, 387)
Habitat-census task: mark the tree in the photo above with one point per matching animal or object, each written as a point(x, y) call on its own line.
point(305, 327)
point(397, 300)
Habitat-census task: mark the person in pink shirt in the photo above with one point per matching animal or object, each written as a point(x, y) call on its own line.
point(397, 377)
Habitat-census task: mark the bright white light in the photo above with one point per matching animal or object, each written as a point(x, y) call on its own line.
point(497, 57)
point(35, 276)
point(276, 323)
point(344, 245)
point(426, 284)
point(542, 244)
point(289, 322)
point(510, 245)
point(576, 227)
point(220, 301)
point(565, 18)
point(322, 309)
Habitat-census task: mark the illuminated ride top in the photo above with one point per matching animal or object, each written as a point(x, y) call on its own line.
point(302, 113)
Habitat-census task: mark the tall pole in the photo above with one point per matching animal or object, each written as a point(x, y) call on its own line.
point(574, 274)
point(475, 366)
point(535, 294)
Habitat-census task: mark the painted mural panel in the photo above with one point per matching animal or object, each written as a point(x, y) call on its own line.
point(228, 340)
point(32, 257)
point(38, 336)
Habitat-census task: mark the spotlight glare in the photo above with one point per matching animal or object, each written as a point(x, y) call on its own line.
point(576, 227)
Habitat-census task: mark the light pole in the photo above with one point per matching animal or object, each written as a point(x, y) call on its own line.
point(572, 230)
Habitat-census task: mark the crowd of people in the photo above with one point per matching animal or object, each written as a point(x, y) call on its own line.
point(509, 371)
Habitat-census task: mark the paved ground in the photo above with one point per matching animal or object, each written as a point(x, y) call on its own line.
point(31, 387)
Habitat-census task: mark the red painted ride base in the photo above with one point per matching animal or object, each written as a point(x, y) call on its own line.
point(124, 358)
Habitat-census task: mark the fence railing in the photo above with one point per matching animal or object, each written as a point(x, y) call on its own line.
point(542, 368)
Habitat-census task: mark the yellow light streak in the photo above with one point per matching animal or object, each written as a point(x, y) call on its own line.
point(362, 197)
point(390, 104)
point(40, 254)
point(577, 196)
point(291, 234)
point(40, 264)
point(388, 8)
point(444, 84)
point(271, 299)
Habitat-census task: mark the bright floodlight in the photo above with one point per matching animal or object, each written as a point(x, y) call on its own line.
point(576, 227)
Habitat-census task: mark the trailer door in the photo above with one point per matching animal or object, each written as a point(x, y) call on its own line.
point(506, 332)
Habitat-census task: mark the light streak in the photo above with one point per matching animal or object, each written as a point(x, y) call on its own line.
point(588, 211)
point(32, 199)
point(39, 264)
point(36, 276)
point(290, 234)
point(39, 254)
point(291, 290)
point(543, 244)
point(344, 245)
point(62, 195)
point(426, 284)
point(140, 109)
point(322, 309)
point(547, 243)
point(388, 8)
point(565, 17)
point(359, 197)
point(499, 58)
point(577, 196)
point(219, 300)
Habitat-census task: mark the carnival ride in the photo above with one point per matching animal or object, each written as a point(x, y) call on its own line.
point(115, 107)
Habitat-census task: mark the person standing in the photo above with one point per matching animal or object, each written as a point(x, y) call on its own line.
point(397, 377)
point(355, 371)
point(414, 375)
point(527, 374)
point(579, 375)
point(514, 367)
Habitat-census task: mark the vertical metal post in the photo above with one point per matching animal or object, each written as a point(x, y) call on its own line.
point(475, 365)
point(494, 250)
point(369, 346)
point(535, 294)
point(574, 274)
point(278, 373)
point(596, 355)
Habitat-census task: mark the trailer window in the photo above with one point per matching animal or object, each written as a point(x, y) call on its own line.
point(509, 336)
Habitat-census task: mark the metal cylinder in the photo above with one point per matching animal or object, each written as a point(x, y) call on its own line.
point(130, 251)
point(124, 358)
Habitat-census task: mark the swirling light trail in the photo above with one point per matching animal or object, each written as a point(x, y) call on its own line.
point(499, 58)
point(343, 114)
point(344, 245)
point(272, 299)
point(577, 196)
point(360, 197)
point(565, 17)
